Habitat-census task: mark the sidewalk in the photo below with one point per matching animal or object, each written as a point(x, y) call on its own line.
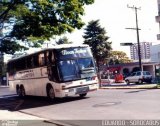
point(9, 115)
point(131, 86)
point(17, 118)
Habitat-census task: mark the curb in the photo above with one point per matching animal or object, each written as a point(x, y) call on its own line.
point(2, 86)
point(153, 86)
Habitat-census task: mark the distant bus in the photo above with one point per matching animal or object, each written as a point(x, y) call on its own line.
point(62, 71)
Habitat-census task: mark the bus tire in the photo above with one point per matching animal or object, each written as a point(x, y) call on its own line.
point(82, 95)
point(21, 91)
point(50, 93)
point(17, 89)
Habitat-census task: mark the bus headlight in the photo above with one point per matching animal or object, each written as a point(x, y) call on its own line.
point(71, 90)
point(94, 78)
point(63, 87)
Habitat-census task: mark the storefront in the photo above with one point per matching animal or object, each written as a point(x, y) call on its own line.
point(111, 71)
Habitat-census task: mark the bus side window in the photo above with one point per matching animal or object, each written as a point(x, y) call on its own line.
point(35, 61)
point(50, 57)
point(13, 69)
point(16, 67)
point(52, 73)
point(20, 64)
point(41, 59)
point(10, 68)
point(29, 62)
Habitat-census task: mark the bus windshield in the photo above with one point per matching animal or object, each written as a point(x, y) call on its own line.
point(75, 63)
point(76, 69)
point(68, 70)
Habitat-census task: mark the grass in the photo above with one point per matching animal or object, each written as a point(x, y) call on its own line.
point(158, 85)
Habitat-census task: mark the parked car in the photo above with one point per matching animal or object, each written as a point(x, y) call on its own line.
point(139, 77)
point(105, 80)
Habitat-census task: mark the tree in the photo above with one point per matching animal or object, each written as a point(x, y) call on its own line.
point(95, 37)
point(63, 40)
point(119, 57)
point(35, 20)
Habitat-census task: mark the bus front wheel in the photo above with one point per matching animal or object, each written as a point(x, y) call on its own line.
point(82, 95)
point(50, 93)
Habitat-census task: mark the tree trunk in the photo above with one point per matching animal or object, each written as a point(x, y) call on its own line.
point(98, 72)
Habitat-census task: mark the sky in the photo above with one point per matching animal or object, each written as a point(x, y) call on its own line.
point(115, 17)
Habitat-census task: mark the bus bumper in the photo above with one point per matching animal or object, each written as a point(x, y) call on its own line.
point(72, 91)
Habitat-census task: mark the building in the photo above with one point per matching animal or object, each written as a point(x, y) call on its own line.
point(155, 49)
point(145, 49)
point(158, 19)
point(155, 53)
point(127, 68)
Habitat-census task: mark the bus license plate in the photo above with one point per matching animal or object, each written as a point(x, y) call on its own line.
point(82, 90)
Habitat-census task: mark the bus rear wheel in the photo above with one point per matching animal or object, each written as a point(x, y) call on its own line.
point(82, 95)
point(21, 92)
point(50, 93)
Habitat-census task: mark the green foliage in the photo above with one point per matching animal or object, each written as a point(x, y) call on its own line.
point(36, 20)
point(63, 40)
point(158, 85)
point(10, 46)
point(117, 57)
point(95, 37)
point(3, 69)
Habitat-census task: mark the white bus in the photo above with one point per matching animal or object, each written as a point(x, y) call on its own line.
point(62, 71)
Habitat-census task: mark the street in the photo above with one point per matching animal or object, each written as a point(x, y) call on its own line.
point(104, 104)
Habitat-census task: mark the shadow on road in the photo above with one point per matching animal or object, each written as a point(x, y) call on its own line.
point(14, 103)
point(137, 91)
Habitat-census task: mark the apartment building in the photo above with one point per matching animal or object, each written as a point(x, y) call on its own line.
point(145, 50)
point(155, 49)
point(158, 19)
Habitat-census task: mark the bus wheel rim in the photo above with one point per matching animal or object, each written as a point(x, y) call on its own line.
point(23, 92)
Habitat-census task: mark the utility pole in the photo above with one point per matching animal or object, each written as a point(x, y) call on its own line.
point(137, 31)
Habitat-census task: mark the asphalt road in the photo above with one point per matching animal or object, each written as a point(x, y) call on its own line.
point(5, 91)
point(104, 104)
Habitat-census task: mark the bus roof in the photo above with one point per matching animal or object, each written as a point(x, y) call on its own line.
point(69, 46)
point(61, 46)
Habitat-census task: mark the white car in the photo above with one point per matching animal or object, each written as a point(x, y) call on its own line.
point(139, 77)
